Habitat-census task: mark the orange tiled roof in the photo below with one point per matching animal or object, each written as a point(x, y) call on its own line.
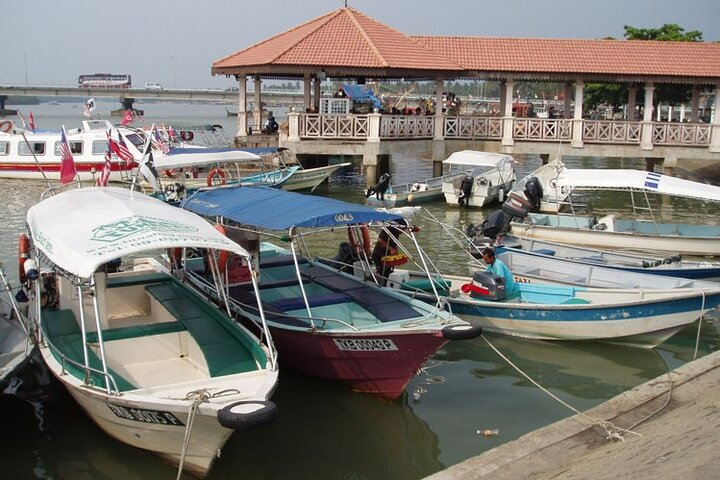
point(341, 38)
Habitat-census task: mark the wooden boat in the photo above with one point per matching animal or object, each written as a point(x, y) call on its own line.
point(642, 233)
point(149, 359)
point(491, 176)
point(668, 266)
point(325, 323)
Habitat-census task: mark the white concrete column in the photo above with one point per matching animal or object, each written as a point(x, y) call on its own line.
point(374, 127)
point(316, 94)
point(715, 120)
point(242, 107)
point(439, 118)
point(695, 105)
point(293, 126)
point(306, 92)
point(647, 123)
point(658, 112)
point(632, 104)
point(670, 113)
point(682, 113)
point(567, 93)
point(577, 141)
point(503, 90)
point(507, 138)
point(257, 109)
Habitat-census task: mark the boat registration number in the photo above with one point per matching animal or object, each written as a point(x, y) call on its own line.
point(145, 416)
point(365, 345)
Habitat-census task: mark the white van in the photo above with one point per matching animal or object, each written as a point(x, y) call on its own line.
point(153, 86)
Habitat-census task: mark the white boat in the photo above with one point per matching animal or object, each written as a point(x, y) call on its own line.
point(491, 176)
point(643, 233)
point(149, 359)
point(405, 193)
point(540, 187)
point(17, 339)
point(303, 179)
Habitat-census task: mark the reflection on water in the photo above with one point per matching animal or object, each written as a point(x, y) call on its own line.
point(325, 431)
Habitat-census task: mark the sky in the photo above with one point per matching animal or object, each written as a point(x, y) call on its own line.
point(174, 42)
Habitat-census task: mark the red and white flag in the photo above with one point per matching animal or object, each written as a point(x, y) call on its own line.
point(158, 141)
point(128, 117)
point(104, 178)
point(120, 149)
point(31, 121)
point(67, 163)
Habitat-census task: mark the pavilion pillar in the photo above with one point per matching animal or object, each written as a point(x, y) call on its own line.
point(695, 105)
point(507, 138)
point(503, 90)
point(715, 134)
point(567, 94)
point(631, 104)
point(293, 126)
point(577, 139)
point(257, 108)
point(438, 144)
point(306, 93)
point(316, 94)
point(647, 123)
point(242, 107)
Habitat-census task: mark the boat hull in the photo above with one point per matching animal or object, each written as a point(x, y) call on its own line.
point(309, 179)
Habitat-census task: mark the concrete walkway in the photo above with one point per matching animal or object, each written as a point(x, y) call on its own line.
point(680, 442)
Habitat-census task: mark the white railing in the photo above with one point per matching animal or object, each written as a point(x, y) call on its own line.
point(474, 127)
point(681, 134)
point(407, 126)
point(611, 131)
point(333, 126)
point(542, 129)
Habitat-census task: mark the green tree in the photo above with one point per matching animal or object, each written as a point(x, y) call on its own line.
point(670, 32)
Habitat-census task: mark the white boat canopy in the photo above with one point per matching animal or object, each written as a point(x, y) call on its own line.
point(477, 159)
point(636, 180)
point(197, 157)
point(81, 230)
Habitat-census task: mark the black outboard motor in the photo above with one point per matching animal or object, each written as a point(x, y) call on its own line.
point(380, 187)
point(465, 191)
point(495, 224)
point(516, 205)
point(534, 193)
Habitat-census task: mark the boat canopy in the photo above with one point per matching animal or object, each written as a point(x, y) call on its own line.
point(636, 180)
point(273, 209)
point(477, 159)
point(81, 230)
point(184, 157)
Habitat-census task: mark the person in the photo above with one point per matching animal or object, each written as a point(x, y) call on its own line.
point(497, 267)
point(386, 245)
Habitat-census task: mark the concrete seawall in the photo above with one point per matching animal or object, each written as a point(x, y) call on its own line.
point(680, 441)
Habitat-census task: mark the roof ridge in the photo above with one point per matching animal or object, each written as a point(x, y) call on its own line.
point(366, 36)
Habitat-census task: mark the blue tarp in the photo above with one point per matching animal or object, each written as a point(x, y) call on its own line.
point(273, 209)
point(360, 93)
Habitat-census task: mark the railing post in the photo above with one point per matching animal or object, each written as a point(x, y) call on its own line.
point(293, 126)
point(374, 127)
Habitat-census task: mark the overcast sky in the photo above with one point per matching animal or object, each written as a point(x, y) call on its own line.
point(49, 42)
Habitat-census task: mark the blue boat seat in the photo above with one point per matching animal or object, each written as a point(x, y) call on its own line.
point(279, 261)
point(321, 300)
point(545, 251)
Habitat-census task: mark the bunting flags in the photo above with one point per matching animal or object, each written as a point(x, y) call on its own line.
point(67, 163)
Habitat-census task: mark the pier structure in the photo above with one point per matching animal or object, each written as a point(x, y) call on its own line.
point(346, 45)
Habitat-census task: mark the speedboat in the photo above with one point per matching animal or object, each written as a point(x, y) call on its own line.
point(149, 359)
point(540, 187)
point(326, 323)
point(490, 177)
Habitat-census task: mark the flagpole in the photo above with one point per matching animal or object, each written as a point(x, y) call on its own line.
point(37, 162)
point(146, 150)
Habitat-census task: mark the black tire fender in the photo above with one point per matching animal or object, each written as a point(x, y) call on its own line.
point(247, 414)
point(461, 332)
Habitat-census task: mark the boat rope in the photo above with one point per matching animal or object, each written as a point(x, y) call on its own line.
point(612, 432)
point(667, 400)
point(198, 397)
point(697, 339)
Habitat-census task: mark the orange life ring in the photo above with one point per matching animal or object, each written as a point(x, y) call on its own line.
point(363, 235)
point(187, 136)
point(222, 254)
point(23, 256)
point(215, 172)
point(6, 126)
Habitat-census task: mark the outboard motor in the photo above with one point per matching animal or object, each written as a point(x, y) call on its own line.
point(516, 205)
point(465, 191)
point(534, 193)
point(486, 286)
point(380, 187)
point(495, 224)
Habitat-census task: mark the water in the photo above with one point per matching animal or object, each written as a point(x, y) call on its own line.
point(325, 431)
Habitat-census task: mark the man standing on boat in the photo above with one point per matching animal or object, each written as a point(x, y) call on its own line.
point(497, 267)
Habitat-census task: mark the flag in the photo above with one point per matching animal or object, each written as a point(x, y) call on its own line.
point(128, 117)
point(22, 119)
point(158, 141)
point(120, 149)
point(104, 177)
point(171, 133)
point(67, 163)
point(31, 122)
point(147, 169)
point(89, 107)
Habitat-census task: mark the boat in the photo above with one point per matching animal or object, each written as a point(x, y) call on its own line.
point(643, 233)
point(621, 262)
point(326, 323)
point(303, 179)
point(17, 339)
point(490, 177)
point(35, 155)
point(540, 187)
point(149, 359)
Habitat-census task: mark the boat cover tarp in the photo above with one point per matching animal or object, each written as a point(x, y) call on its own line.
point(361, 94)
point(477, 159)
point(80, 230)
point(199, 157)
point(637, 180)
point(273, 209)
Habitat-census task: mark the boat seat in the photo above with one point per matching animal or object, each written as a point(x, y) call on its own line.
point(129, 280)
point(331, 280)
point(63, 333)
point(544, 251)
point(279, 261)
point(385, 307)
point(321, 300)
point(137, 331)
point(225, 352)
point(283, 282)
point(249, 303)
